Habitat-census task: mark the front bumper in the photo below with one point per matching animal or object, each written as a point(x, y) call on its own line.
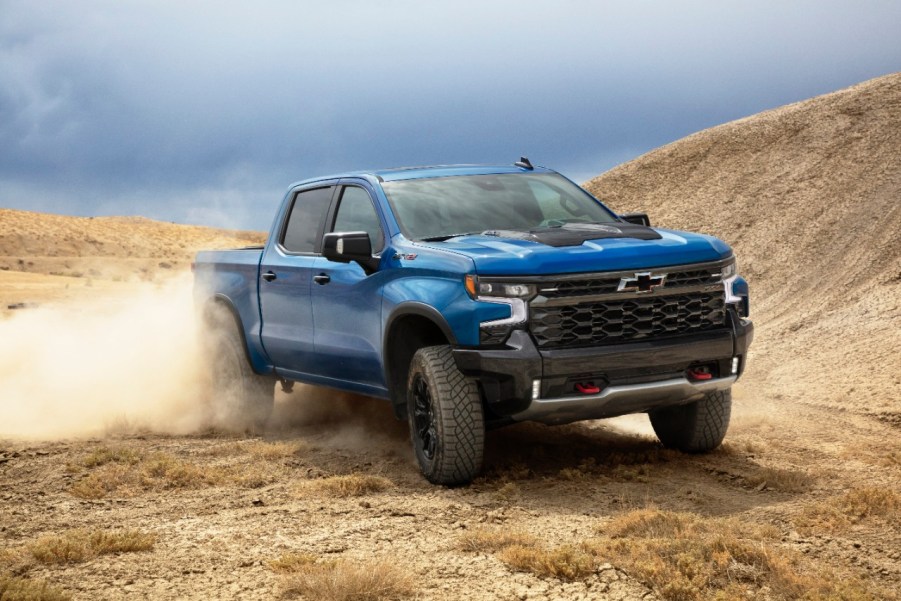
point(633, 377)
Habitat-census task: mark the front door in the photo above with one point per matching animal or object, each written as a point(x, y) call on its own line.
point(347, 303)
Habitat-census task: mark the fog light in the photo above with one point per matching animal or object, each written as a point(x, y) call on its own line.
point(734, 365)
point(536, 389)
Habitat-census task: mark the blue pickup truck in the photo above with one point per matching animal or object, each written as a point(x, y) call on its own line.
point(472, 297)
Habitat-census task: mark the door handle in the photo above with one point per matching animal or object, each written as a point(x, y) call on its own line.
point(269, 276)
point(322, 279)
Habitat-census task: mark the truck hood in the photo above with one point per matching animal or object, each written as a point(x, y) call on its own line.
point(507, 256)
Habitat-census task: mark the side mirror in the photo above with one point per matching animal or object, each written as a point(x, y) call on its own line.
point(637, 218)
point(350, 247)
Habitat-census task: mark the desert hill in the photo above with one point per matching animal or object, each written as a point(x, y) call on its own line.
point(809, 195)
point(105, 247)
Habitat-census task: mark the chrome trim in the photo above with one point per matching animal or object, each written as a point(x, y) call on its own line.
point(518, 311)
point(618, 400)
point(727, 285)
point(544, 301)
point(612, 275)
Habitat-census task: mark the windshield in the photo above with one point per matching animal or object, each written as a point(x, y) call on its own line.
point(443, 207)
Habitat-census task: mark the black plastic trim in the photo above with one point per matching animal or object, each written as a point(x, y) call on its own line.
point(220, 300)
point(422, 310)
point(506, 374)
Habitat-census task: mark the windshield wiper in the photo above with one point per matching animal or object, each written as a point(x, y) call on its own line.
point(447, 237)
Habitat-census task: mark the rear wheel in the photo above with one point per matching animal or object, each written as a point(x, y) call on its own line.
point(696, 427)
point(447, 423)
point(241, 398)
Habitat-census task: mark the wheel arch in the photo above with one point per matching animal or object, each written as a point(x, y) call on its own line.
point(215, 312)
point(410, 327)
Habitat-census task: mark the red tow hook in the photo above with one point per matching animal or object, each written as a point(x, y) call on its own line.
point(700, 373)
point(587, 388)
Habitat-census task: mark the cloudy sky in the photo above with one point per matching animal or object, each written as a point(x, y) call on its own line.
point(204, 112)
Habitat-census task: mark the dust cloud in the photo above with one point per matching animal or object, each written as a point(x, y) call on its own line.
point(83, 369)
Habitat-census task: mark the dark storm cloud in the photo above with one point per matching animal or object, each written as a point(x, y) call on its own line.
point(206, 111)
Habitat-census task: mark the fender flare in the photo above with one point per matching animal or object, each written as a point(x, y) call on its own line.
point(421, 310)
point(407, 309)
point(222, 301)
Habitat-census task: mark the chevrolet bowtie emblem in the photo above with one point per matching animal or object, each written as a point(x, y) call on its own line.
point(642, 282)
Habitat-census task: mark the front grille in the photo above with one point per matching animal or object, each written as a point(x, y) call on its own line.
point(626, 320)
point(607, 283)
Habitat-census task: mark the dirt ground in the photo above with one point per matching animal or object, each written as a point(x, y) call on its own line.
point(802, 501)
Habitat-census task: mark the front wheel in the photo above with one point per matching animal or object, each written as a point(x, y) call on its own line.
point(696, 427)
point(447, 423)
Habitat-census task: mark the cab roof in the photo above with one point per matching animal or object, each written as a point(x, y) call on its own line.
point(402, 173)
point(406, 173)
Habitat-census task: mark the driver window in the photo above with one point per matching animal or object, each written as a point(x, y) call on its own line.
point(356, 214)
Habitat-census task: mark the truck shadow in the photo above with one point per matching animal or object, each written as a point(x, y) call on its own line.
point(586, 467)
point(591, 467)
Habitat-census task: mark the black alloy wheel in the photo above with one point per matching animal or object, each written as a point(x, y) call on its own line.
point(423, 418)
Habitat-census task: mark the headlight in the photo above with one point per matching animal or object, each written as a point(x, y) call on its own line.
point(479, 289)
point(730, 269)
point(514, 295)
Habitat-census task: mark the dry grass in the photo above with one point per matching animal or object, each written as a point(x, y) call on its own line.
point(782, 480)
point(866, 502)
point(856, 505)
point(685, 557)
point(289, 563)
point(353, 485)
point(270, 451)
point(107, 480)
point(507, 492)
point(887, 454)
point(161, 471)
point(274, 450)
point(523, 553)
point(76, 546)
point(7, 556)
point(104, 455)
point(15, 588)
point(653, 523)
point(891, 459)
point(349, 581)
point(483, 540)
point(254, 475)
point(565, 562)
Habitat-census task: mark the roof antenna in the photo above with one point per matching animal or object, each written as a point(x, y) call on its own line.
point(524, 163)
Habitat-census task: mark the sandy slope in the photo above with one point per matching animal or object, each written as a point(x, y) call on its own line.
point(808, 194)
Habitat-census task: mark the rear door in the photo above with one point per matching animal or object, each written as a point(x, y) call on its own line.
point(286, 275)
point(347, 302)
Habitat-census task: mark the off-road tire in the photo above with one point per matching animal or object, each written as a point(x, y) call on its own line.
point(241, 399)
point(447, 422)
point(696, 427)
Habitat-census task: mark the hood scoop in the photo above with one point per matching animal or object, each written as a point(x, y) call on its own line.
point(574, 234)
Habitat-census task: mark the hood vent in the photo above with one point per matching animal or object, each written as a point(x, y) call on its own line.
point(574, 234)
